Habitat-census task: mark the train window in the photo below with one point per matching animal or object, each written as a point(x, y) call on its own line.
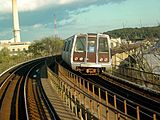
point(68, 45)
point(65, 46)
point(91, 44)
point(103, 45)
point(80, 44)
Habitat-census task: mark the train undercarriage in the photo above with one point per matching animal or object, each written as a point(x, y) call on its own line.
point(89, 70)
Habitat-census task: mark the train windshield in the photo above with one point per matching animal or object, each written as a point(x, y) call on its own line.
point(103, 44)
point(92, 44)
point(80, 44)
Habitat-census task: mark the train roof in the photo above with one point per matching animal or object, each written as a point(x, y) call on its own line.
point(84, 34)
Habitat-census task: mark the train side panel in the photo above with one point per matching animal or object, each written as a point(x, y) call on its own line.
point(66, 54)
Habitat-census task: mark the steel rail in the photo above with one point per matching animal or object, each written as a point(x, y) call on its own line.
point(41, 93)
point(25, 85)
point(13, 82)
point(7, 80)
point(53, 116)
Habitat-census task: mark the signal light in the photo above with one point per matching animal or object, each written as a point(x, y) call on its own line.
point(101, 59)
point(76, 58)
point(81, 58)
point(105, 59)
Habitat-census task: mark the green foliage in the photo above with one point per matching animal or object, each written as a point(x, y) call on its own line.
point(43, 47)
point(4, 52)
point(4, 55)
point(136, 33)
point(46, 46)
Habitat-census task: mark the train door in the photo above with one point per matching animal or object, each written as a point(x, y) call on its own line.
point(91, 49)
point(104, 50)
point(79, 49)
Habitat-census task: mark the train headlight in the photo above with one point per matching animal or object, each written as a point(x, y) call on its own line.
point(81, 58)
point(105, 59)
point(76, 58)
point(101, 59)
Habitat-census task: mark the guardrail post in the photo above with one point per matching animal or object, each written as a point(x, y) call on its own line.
point(72, 77)
point(91, 108)
point(138, 114)
point(71, 100)
point(93, 96)
point(115, 105)
point(78, 82)
point(99, 105)
point(77, 78)
point(125, 109)
point(84, 97)
point(63, 93)
point(88, 87)
point(67, 94)
point(75, 99)
point(154, 116)
point(83, 84)
point(80, 104)
point(107, 110)
point(60, 86)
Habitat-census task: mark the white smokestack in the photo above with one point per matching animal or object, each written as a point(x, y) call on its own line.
point(16, 29)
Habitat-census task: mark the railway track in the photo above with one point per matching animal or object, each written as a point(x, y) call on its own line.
point(130, 86)
point(89, 97)
point(22, 95)
point(121, 97)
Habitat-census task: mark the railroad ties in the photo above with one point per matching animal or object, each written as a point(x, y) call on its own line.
point(25, 95)
point(64, 95)
point(63, 112)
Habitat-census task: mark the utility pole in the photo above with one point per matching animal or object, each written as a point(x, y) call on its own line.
point(55, 26)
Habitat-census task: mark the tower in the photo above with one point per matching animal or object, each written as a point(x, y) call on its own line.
point(16, 29)
point(55, 27)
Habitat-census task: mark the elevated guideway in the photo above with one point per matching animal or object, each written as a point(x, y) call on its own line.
point(45, 86)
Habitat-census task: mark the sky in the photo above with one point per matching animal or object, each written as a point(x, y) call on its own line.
point(76, 16)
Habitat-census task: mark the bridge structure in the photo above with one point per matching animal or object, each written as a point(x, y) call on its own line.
point(45, 89)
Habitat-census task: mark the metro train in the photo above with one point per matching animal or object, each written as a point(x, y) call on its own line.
point(88, 53)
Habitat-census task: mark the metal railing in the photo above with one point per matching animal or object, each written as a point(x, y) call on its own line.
point(90, 101)
point(147, 79)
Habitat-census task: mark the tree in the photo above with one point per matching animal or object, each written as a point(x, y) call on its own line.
point(4, 55)
point(36, 48)
point(46, 46)
point(136, 33)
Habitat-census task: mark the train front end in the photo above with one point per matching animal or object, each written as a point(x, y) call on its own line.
point(91, 53)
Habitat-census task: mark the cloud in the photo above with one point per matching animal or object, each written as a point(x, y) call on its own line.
point(67, 1)
point(5, 34)
point(24, 5)
point(5, 6)
point(37, 26)
point(38, 15)
point(30, 5)
point(66, 22)
point(4, 17)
